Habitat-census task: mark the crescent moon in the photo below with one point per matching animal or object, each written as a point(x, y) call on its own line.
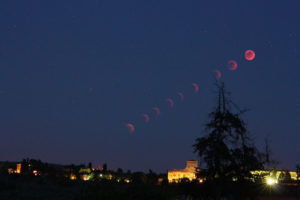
point(232, 65)
point(181, 96)
point(147, 118)
point(219, 75)
point(249, 55)
point(196, 87)
point(171, 102)
point(157, 110)
point(130, 127)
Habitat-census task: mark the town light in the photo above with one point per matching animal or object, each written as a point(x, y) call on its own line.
point(271, 181)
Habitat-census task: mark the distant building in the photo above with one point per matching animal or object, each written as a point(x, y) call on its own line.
point(19, 166)
point(16, 171)
point(189, 172)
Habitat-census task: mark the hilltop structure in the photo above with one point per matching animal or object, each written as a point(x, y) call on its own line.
point(189, 172)
point(271, 176)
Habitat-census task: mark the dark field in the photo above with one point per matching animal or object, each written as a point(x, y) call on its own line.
point(41, 188)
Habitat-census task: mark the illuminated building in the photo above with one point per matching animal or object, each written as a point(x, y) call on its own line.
point(73, 176)
point(36, 173)
point(18, 170)
point(271, 176)
point(189, 172)
point(10, 170)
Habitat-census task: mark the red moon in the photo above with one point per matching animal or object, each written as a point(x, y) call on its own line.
point(181, 96)
point(130, 127)
point(249, 55)
point(196, 87)
point(232, 65)
point(157, 110)
point(219, 75)
point(147, 118)
point(171, 102)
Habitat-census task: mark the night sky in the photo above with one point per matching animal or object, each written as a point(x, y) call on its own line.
point(74, 72)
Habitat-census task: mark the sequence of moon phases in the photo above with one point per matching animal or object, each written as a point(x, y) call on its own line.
point(232, 65)
point(249, 55)
point(130, 127)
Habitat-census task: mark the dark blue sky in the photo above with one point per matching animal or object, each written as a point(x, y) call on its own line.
point(72, 73)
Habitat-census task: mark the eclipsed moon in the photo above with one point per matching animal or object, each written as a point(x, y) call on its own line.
point(157, 111)
point(232, 65)
point(196, 87)
point(219, 75)
point(249, 55)
point(171, 102)
point(130, 127)
point(147, 118)
point(181, 96)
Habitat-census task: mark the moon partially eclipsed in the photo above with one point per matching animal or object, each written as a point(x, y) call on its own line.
point(171, 102)
point(130, 127)
point(232, 65)
point(181, 96)
point(147, 118)
point(196, 87)
point(219, 75)
point(157, 111)
point(249, 55)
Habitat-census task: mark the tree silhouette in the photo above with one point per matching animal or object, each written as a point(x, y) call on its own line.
point(104, 169)
point(226, 150)
point(298, 171)
point(285, 177)
point(90, 165)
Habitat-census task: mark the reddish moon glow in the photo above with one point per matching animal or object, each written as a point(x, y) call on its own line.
point(232, 65)
point(171, 102)
point(219, 75)
point(130, 127)
point(196, 87)
point(181, 96)
point(157, 110)
point(147, 118)
point(249, 55)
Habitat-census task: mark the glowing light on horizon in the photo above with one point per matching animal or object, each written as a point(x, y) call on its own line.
point(271, 181)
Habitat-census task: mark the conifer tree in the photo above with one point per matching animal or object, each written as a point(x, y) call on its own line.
point(226, 149)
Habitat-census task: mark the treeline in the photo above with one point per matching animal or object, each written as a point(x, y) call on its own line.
point(34, 167)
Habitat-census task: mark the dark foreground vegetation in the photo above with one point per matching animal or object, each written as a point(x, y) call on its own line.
point(46, 188)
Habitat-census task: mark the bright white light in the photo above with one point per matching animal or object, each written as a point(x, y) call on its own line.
point(271, 181)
